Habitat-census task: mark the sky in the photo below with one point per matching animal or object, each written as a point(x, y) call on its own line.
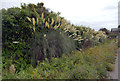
point(95, 14)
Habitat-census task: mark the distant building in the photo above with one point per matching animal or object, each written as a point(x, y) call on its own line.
point(115, 30)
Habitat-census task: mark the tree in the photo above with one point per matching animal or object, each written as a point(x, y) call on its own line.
point(107, 32)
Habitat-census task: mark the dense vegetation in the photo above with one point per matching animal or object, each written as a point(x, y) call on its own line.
point(33, 35)
point(92, 63)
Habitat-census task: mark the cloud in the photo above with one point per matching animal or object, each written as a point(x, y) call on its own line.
point(12, 4)
point(110, 7)
point(98, 24)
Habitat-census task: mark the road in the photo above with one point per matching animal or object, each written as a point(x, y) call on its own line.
point(115, 74)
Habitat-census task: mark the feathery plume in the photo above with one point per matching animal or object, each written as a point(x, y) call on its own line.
point(43, 20)
point(42, 16)
point(29, 19)
point(52, 21)
point(33, 19)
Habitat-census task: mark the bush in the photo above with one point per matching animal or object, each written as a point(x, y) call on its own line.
point(110, 67)
point(84, 72)
point(17, 54)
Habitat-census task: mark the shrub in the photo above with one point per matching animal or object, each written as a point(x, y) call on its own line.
point(110, 67)
point(84, 72)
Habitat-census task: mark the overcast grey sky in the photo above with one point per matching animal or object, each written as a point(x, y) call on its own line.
point(91, 13)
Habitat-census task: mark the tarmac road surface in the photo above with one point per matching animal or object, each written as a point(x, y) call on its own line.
point(115, 73)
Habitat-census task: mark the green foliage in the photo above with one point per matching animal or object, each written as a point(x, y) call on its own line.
point(110, 67)
point(16, 55)
point(89, 37)
point(107, 32)
point(87, 64)
point(113, 35)
point(34, 36)
point(16, 27)
point(60, 42)
point(84, 72)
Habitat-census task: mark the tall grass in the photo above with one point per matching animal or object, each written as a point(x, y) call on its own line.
point(91, 63)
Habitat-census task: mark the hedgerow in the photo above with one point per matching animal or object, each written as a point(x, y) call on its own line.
point(32, 33)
